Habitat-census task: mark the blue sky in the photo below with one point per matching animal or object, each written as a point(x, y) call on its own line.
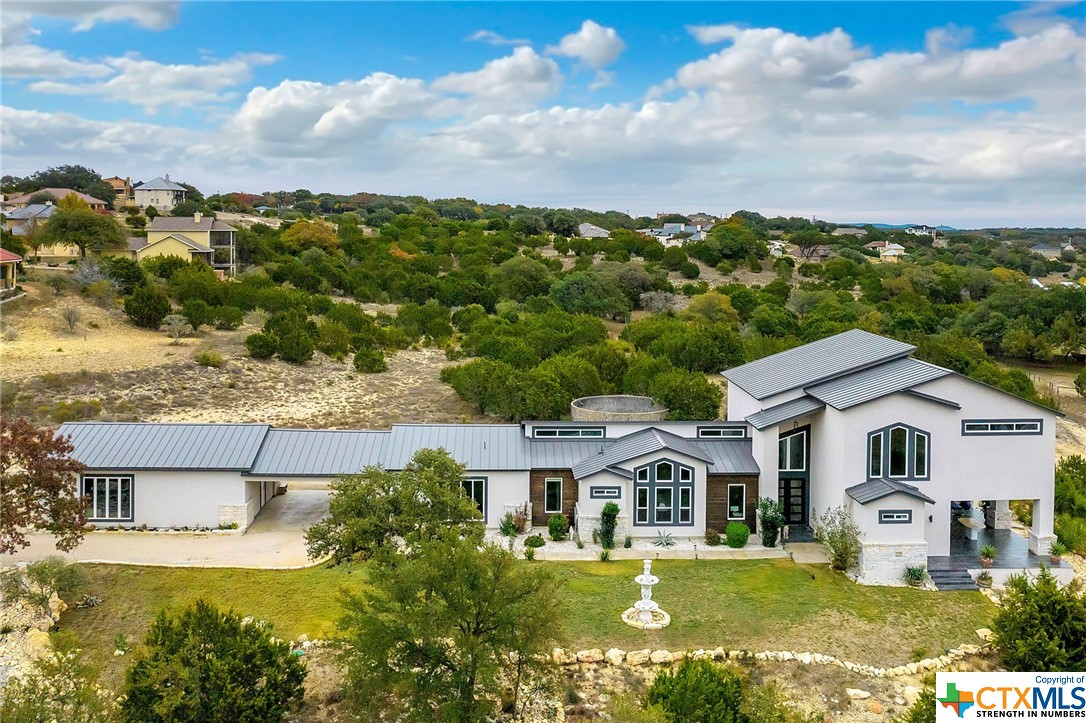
point(962, 113)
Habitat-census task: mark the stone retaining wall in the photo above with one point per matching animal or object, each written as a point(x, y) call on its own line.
point(884, 563)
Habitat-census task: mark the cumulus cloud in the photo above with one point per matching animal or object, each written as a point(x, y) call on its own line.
point(520, 79)
point(493, 38)
point(152, 15)
point(152, 85)
point(594, 45)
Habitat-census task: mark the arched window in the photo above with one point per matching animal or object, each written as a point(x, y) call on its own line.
point(664, 494)
point(898, 451)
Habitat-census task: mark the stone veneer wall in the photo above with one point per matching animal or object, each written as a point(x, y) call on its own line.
point(616, 408)
point(584, 525)
point(241, 515)
point(884, 563)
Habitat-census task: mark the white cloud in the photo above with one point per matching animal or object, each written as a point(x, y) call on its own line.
point(712, 34)
point(511, 82)
point(493, 38)
point(947, 38)
point(152, 85)
point(594, 45)
point(149, 14)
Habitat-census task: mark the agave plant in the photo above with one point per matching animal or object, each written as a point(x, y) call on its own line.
point(664, 539)
point(987, 555)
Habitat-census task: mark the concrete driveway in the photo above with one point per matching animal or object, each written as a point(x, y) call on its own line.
point(276, 539)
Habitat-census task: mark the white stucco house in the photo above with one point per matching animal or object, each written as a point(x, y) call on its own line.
point(160, 192)
point(909, 447)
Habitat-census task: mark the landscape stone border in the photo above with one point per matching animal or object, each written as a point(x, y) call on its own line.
point(618, 657)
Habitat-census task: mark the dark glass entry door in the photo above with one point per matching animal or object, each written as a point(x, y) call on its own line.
point(793, 497)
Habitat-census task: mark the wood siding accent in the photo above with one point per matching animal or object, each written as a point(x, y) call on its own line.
point(716, 500)
point(537, 488)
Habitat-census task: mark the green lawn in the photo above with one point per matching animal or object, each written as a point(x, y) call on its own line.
point(750, 604)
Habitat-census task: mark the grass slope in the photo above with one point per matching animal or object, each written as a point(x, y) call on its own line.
point(752, 604)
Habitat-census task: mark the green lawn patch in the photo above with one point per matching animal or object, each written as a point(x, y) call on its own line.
point(747, 604)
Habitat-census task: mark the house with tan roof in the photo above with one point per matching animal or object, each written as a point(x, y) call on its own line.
point(23, 200)
point(196, 236)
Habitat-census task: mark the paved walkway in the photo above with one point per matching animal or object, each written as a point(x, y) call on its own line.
point(276, 539)
point(807, 553)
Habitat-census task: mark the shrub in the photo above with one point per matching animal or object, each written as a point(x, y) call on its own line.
point(534, 541)
point(103, 293)
point(71, 315)
point(841, 536)
point(529, 553)
point(61, 687)
point(205, 664)
point(1071, 531)
point(76, 410)
point(58, 283)
point(209, 359)
point(508, 526)
point(737, 534)
point(228, 317)
point(296, 346)
point(770, 520)
point(914, 574)
point(42, 579)
point(177, 326)
point(698, 690)
point(628, 542)
point(261, 346)
point(608, 522)
point(1080, 383)
point(1041, 626)
point(370, 361)
point(198, 313)
point(923, 710)
point(712, 537)
point(605, 555)
point(147, 307)
point(557, 526)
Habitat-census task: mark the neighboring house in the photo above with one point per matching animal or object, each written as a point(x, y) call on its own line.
point(1049, 251)
point(703, 220)
point(123, 188)
point(891, 253)
point(9, 267)
point(162, 193)
point(23, 200)
point(589, 230)
point(850, 420)
point(24, 220)
point(855, 420)
point(849, 231)
point(139, 248)
point(920, 230)
point(675, 234)
point(189, 236)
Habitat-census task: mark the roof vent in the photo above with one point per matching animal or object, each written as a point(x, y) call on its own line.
point(167, 176)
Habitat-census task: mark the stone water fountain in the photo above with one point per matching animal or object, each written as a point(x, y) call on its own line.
point(646, 613)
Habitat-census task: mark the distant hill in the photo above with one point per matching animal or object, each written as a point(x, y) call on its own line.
point(892, 226)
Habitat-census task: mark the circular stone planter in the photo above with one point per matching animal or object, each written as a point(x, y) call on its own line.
point(632, 617)
point(616, 408)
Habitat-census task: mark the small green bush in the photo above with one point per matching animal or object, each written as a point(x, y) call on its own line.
point(557, 527)
point(370, 361)
point(698, 690)
point(1080, 383)
point(296, 346)
point(770, 520)
point(209, 359)
point(228, 317)
point(76, 410)
point(628, 542)
point(529, 553)
point(147, 307)
point(198, 313)
point(261, 345)
point(737, 534)
point(534, 541)
point(841, 536)
point(508, 526)
point(608, 522)
point(1041, 625)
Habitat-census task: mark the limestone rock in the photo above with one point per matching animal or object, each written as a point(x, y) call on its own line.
point(563, 657)
point(984, 634)
point(912, 668)
point(970, 649)
point(805, 658)
point(898, 700)
point(911, 693)
point(661, 656)
point(36, 644)
point(594, 655)
point(857, 694)
point(876, 707)
point(637, 657)
point(56, 606)
point(615, 656)
point(719, 654)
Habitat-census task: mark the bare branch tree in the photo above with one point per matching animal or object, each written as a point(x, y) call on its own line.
point(177, 326)
point(71, 315)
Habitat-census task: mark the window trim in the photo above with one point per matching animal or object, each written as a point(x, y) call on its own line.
point(645, 481)
point(800, 433)
point(91, 517)
point(604, 493)
point(915, 457)
point(911, 468)
point(569, 432)
point(638, 508)
point(486, 485)
point(689, 509)
point(890, 517)
point(871, 472)
point(989, 432)
point(717, 432)
point(889, 452)
point(561, 484)
point(743, 508)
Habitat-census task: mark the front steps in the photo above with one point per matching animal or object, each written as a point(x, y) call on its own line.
point(952, 580)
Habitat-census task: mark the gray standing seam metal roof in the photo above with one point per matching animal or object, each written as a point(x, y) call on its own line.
point(815, 362)
point(876, 489)
point(563, 454)
point(732, 456)
point(785, 411)
point(159, 184)
point(317, 452)
point(636, 444)
point(131, 446)
point(476, 446)
point(864, 386)
point(188, 223)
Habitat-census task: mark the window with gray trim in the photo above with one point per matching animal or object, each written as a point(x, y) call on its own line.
point(552, 495)
point(895, 517)
point(109, 498)
point(899, 451)
point(792, 452)
point(604, 493)
point(737, 502)
point(987, 427)
point(567, 432)
point(722, 432)
point(664, 494)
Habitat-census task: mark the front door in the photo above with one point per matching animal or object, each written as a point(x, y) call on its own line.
point(793, 497)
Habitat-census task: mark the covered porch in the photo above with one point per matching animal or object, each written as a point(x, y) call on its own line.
point(973, 528)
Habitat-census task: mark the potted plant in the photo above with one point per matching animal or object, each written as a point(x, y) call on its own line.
point(1056, 552)
point(914, 575)
point(987, 555)
point(984, 579)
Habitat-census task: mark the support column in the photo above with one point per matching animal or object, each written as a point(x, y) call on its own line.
point(997, 514)
point(1041, 535)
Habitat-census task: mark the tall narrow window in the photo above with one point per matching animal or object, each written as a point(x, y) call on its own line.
point(899, 452)
point(686, 505)
point(875, 464)
point(920, 455)
point(664, 504)
point(643, 505)
point(737, 502)
point(552, 501)
point(792, 453)
point(664, 494)
point(475, 488)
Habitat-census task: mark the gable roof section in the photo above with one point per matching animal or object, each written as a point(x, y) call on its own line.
point(199, 247)
point(785, 411)
point(494, 447)
point(816, 362)
point(732, 456)
point(317, 452)
point(876, 489)
point(9, 256)
point(872, 383)
point(159, 184)
point(188, 223)
point(634, 445)
point(133, 446)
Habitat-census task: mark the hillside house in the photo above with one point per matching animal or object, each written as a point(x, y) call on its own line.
point(9, 268)
point(24, 220)
point(891, 253)
point(195, 236)
point(910, 448)
point(123, 188)
point(160, 192)
point(591, 230)
point(23, 200)
point(849, 231)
